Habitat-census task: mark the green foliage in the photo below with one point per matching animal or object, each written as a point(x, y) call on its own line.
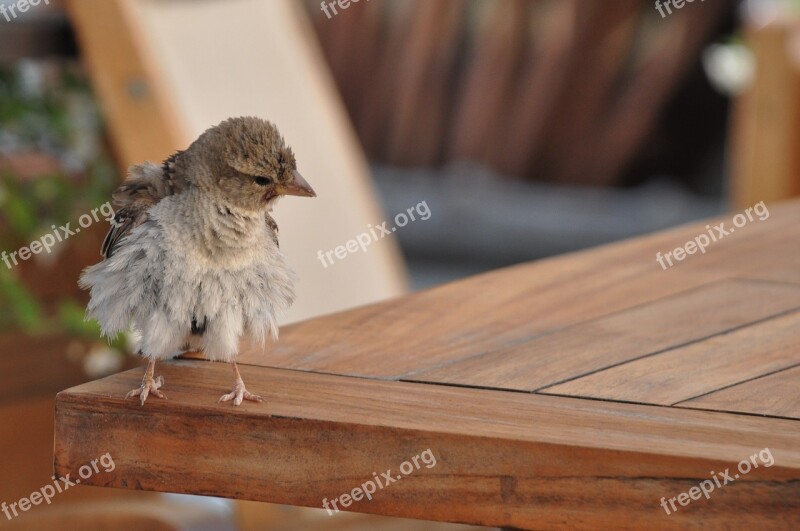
point(47, 113)
point(25, 310)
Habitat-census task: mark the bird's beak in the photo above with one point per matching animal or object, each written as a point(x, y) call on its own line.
point(298, 187)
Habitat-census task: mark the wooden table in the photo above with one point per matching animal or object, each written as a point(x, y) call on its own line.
point(572, 392)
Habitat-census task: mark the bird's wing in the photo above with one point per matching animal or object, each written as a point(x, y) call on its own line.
point(124, 221)
point(273, 227)
point(146, 185)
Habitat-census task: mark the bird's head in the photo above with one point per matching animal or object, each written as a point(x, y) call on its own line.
point(248, 164)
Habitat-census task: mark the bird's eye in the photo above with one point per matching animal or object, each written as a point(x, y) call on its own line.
point(263, 181)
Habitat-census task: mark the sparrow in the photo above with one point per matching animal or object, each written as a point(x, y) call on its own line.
point(192, 261)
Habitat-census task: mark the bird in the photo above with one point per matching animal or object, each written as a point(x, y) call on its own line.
point(192, 259)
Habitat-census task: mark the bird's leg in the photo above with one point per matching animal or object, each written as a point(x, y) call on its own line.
point(239, 392)
point(149, 385)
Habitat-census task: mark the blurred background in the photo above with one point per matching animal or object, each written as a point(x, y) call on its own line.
point(528, 127)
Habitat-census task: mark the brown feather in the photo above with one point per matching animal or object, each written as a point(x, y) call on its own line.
point(146, 185)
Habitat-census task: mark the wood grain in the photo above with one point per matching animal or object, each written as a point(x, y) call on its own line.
point(503, 459)
point(684, 373)
point(26, 449)
point(337, 409)
point(640, 331)
point(775, 394)
point(514, 305)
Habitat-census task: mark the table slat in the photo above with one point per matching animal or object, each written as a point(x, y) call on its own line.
point(776, 394)
point(697, 369)
point(640, 331)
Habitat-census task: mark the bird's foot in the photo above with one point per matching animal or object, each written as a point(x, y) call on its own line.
point(149, 385)
point(240, 393)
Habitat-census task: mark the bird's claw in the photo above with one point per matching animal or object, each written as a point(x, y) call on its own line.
point(238, 394)
point(149, 385)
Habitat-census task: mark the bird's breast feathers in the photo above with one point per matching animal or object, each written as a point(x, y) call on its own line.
point(193, 262)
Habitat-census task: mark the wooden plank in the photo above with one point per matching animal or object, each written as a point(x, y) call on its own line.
point(765, 124)
point(128, 82)
point(376, 117)
point(351, 42)
point(698, 369)
point(784, 273)
point(505, 459)
point(26, 447)
point(542, 77)
point(775, 394)
point(482, 100)
point(603, 38)
point(514, 305)
point(640, 331)
point(424, 68)
point(667, 58)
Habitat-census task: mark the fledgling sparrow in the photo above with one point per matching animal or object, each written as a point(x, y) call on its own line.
point(192, 260)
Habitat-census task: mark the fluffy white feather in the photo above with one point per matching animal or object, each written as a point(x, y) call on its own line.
point(193, 259)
